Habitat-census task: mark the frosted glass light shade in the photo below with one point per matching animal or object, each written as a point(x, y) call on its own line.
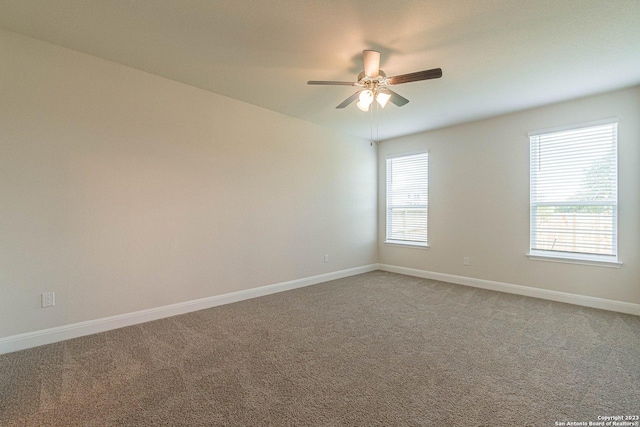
point(383, 98)
point(366, 98)
point(363, 107)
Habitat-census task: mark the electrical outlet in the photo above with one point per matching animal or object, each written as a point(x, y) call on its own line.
point(48, 299)
point(326, 257)
point(466, 261)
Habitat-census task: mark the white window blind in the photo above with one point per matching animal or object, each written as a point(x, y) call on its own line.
point(574, 200)
point(407, 195)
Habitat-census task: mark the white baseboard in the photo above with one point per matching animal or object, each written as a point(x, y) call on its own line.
point(75, 330)
point(583, 300)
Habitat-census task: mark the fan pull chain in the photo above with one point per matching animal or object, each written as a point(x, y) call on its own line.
point(371, 125)
point(377, 124)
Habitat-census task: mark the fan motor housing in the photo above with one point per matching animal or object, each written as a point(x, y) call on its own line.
point(364, 79)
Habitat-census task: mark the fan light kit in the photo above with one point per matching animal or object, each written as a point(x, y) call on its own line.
point(374, 83)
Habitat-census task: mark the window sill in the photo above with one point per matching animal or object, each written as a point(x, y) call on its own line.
point(406, 244)
point(574, 260)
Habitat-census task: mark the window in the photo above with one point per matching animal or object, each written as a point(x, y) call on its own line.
point(407, 191)
point(574, 201)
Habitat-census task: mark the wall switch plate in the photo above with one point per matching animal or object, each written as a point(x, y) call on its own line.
point(466, 261)
point(326, 257)
point(48, 299)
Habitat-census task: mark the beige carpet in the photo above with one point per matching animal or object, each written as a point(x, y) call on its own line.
point(377, 349)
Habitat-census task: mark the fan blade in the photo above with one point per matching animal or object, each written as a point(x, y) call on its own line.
point(349, 100)
point(371, 59)
point(316, 82)
point(399, 100)
point(435, 73)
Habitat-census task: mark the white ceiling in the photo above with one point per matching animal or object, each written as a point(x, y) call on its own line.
point(497, 56)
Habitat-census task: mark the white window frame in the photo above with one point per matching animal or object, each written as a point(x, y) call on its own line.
point(607, 260)
point(390, 206)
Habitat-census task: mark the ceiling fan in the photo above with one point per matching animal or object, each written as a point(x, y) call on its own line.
point(374, 83)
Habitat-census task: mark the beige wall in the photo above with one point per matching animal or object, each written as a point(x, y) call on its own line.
point(123, 191)
point(479, 200)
